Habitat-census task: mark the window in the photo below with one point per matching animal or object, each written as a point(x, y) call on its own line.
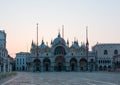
point(17, 61)
point(20, 61)
point(72, 54)
point(23, 60)
point(99, 62)
point(91, 60)
point(115, 52)
point(17, 68)
point(105, 52)
point(59, 50)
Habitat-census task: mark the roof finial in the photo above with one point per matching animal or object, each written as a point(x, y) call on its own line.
point(68, 42)
point(51, 42)
point(42, 40)
point(59, 33)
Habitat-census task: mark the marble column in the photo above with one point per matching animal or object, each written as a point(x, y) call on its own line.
point(8, 67)
point(52, 66)
point(67, 67)
point(78, 66)
point(4, 67)
point(0, 68)
point(42, 69)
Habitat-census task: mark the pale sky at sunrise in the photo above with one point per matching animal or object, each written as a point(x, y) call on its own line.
point(19, 17)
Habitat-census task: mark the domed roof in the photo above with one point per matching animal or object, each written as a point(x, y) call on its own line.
point(43, 46)
point(59, 40)
point(75, 45)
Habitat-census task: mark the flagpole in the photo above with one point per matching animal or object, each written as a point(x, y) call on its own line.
point(37, 41)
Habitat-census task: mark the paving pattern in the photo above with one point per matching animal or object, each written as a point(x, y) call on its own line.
point(65, 78)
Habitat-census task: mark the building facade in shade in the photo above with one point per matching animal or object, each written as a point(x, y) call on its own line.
point(116, 63)
point(5, 59)
point(59, 57)
point(62, 57)
point(21, 59)
point(106, 56)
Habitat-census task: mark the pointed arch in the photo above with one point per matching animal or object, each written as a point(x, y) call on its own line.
point(46, 64)
point(37, 64)
point(73, 64)
point(83, 64)
point(60, 63)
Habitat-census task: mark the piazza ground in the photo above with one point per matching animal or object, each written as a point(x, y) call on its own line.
point(64, 78)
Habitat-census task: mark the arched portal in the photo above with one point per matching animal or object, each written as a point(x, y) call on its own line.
point(109, 68)
point(37, 65)
point(100, 68)
point(60, 63)
point(73, 64)
point(23, 68)
point(60, 50)
point(83, 64)
point(46, 64)
point(105, 68)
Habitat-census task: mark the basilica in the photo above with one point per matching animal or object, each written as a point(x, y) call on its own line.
point(62, 57)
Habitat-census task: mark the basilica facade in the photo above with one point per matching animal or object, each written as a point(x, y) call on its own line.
point(59, 57)
point(62, 57)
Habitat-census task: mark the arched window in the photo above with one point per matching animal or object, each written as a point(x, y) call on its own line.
point(59, 50)
point(91, 60)
point(115, 52)
point(105, 52)
point(99, 62)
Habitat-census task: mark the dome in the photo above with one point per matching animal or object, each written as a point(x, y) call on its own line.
point(43, 46)
point(75, 45)
point(59, 40)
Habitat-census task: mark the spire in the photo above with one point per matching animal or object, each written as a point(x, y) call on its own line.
point(32, 43)
point(87, 43)
point(37, 34)
point(37, 42)
point(42, 41)
point(67, 42)
point(51, 42)
point(59, 33)
point(47, 43)
point(63, 31)
point(77, 41)
point(87, 46)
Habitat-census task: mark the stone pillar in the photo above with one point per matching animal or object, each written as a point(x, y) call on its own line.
point(88, 66)
point(52, 66)
point(8, 67)
point(67, 67)
point(42, 67)
point(4, 67)
point(0, 68)
point(78, 66)
point(32, 68)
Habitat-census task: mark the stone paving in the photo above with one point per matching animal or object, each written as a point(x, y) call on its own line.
point(65, 78)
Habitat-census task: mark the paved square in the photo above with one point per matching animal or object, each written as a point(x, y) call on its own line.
point(65, 78)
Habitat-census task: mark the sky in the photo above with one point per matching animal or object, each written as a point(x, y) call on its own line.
point(19, 17)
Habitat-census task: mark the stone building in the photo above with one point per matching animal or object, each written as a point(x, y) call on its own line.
point(62, 57)
point(5, 59)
